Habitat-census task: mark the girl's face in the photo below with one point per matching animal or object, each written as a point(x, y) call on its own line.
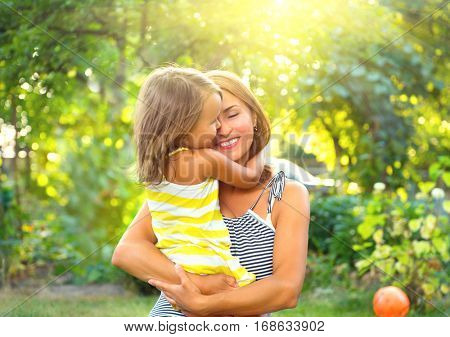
point(235, 132)
point(204, 131)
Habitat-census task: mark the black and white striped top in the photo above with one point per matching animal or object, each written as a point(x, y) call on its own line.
point(252, 240)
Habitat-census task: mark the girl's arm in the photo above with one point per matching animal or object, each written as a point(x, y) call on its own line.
point(214, 164)
point(137, 255)
point(276, 292)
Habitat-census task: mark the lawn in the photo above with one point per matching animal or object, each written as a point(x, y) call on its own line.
point(320, 303)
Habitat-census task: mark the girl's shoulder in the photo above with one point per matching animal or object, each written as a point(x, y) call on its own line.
point(185, 168)
point(172, 186)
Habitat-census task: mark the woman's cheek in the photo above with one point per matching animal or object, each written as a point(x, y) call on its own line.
point(245, 132)
point(243, 126)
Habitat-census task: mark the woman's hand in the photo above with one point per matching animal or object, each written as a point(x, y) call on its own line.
point(186, 295)
point(213, 284)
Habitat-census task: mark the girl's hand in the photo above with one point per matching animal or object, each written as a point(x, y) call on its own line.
point(186, 295)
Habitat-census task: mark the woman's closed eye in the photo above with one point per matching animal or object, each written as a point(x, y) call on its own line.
point(233, 115)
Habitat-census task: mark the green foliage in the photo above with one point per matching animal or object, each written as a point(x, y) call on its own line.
point(405, 241)
point(333, 226)
point(10, 232)
point(70, 72)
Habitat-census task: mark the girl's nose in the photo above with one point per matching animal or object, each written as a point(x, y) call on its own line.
point(218, 124)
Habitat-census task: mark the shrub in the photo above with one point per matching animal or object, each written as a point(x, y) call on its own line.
point(333, 226)
point(404, 240)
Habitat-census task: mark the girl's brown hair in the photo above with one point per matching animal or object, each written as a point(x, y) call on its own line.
point(169, 104)
point(230, 82)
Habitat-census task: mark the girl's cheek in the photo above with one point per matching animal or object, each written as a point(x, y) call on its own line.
point(212, 135)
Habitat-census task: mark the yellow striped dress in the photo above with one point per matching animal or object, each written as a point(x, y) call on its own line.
point(190, 229)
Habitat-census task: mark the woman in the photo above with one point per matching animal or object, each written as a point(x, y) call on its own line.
point(270, 238)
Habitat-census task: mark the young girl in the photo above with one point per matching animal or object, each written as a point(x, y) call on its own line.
point(175, 127)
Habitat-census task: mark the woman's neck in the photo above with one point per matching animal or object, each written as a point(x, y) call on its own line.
point(243, 160)
point(225, 188)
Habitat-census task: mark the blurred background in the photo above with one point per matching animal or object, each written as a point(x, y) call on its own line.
point(357, 93)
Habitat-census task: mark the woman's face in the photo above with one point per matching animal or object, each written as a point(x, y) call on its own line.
point(235, 133)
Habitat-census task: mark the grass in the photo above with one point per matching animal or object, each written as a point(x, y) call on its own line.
point(320, 303)
point(85, 306)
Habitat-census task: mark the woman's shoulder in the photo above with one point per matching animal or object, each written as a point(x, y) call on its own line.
point(292, 187)
point(294, 204)
point(295, 195)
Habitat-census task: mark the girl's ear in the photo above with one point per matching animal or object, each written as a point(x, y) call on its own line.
point(183, 140)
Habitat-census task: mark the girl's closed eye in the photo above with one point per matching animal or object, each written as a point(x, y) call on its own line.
point(233, 114)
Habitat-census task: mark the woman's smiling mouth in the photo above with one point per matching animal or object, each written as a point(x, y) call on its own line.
point(228, 144)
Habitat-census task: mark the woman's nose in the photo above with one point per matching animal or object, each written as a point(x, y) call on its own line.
point(223, 129)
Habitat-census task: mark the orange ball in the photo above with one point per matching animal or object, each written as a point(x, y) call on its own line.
point(390, 302)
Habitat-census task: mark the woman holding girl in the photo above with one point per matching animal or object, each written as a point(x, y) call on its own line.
point(255, 263)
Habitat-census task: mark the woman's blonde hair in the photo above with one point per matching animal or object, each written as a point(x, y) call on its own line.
point(169, 104)
point(230, 82)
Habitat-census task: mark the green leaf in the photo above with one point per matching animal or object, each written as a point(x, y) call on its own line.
point(430, 221)
point(365, 245)
point(421, 248)
point(382, 252)
point(401, 268)
point(434, 171)
point(446, 178)
point(446, 205)
point(426, 186)
point(378, 236)
point(363, 265)
point(414, 224)
point(365, 230)
point(429, 225)
point(441, 246)
point(428, 288)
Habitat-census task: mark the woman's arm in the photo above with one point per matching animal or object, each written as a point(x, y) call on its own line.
point(217, 165)
point(137, 255)
point(136, 252)
point(276, 292)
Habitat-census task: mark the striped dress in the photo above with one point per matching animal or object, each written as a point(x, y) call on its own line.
point(187, 222)
point(252, 242)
